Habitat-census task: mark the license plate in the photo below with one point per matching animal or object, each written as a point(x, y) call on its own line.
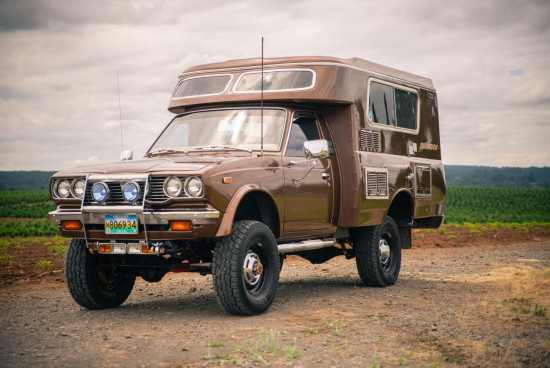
point(121, 224)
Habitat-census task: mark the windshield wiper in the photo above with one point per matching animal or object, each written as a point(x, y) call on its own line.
point(215, 148)
point(165, 152)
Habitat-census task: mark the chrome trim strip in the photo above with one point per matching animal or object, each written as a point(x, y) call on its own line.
point(150, 217)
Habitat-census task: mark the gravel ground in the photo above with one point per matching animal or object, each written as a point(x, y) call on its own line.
point(473, 306)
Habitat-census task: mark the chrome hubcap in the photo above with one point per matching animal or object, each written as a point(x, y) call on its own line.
point(252, 269)
point(385, 252)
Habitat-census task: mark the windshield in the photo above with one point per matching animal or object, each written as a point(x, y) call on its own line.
point(223, 129)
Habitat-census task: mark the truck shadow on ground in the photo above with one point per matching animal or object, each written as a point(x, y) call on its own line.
point(311, 292)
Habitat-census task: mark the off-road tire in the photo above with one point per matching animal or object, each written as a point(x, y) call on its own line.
point(93, 286)
point(248, 240)
point(370, 265)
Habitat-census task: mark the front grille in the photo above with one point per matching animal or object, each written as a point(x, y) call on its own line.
point(156, 190)
point(115, 193)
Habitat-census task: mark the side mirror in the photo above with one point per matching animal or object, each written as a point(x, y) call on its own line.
point(126, 155)
point(319, 148)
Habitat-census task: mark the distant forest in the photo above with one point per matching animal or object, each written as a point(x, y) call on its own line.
point(457, 176)
point(14, 180)
point(497, 177)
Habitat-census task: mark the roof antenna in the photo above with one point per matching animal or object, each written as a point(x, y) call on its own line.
point(119, 112)
point(128, 154)
point(262, 104)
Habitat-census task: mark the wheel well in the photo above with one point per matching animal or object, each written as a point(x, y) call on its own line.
point(258, 206)
point(401, 209)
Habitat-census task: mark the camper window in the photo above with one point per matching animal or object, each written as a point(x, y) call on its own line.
point(276, 80)
point(393, 106)
point(202, 86)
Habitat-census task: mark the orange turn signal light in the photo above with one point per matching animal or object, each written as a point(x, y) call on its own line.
point(105, 248)
point(71, 225)
point(145, 249)
point(227, 180)
point(181, 225)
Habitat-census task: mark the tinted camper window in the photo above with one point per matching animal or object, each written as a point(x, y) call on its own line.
point(393, 106)
point(381, 107)
point(202, 86)
point(405, 108)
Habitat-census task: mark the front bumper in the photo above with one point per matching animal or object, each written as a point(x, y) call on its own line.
point(153, 225)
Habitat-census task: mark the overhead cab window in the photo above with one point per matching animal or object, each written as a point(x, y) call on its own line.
point(276, 80)
point(202, 86)
point(393, 106)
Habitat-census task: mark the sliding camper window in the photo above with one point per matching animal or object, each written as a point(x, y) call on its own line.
point(393, 106)
point(276, 80)
point(202, 86)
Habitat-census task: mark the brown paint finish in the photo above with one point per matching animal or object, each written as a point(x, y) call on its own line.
point(301, 198)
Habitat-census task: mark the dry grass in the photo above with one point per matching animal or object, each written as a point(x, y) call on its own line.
point(522, 282)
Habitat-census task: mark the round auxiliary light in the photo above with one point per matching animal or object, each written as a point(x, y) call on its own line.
point(100, 192)
point(78, 187)
point(130, 191)
point(63, 188)
point(193, 186)
point(172, 186)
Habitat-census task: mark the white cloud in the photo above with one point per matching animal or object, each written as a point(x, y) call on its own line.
point(58, 65)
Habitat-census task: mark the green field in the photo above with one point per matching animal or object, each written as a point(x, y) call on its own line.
point(24, 213)
point(489, 205)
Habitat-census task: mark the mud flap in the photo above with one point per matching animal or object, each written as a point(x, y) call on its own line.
point(405, 235)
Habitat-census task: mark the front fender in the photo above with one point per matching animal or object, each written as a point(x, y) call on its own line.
point(227, 220)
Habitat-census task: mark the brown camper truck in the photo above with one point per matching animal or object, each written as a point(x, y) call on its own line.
point(312, 156)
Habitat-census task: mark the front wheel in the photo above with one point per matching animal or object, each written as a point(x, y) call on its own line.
point(92, 285)
point(378, 253)
point(245, 269)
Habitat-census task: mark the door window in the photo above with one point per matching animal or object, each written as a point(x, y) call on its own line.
point(303, 129)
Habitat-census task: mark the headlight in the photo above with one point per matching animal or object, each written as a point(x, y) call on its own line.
point(63, 188)
point(193, 186)
point(172, 186)
point(130, 191)
point(100, 192)
point(78, 187)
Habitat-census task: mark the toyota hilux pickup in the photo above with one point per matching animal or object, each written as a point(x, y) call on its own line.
point(311, 156)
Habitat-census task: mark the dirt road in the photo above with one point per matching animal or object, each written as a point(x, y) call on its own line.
point(472, 306)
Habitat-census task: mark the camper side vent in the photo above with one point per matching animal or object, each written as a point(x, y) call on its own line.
point(376, 181)
point(370, 140)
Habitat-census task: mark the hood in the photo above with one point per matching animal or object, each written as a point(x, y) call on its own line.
point(149, 165)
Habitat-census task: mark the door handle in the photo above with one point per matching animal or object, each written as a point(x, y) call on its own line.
point(325, 175)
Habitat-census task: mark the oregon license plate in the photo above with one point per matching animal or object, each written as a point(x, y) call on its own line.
point(121, 223)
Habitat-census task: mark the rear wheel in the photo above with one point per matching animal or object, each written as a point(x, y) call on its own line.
point(378, 253)
point(92, 285)
point(245, 269)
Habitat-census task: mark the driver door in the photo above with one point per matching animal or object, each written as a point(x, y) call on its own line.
point(308, 183)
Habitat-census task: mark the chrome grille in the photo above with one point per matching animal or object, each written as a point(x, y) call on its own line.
point(156, 190)
point(377, 184)
point(370, 140)
point(115, 193)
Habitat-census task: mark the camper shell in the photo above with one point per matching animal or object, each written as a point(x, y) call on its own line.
point(314, 156)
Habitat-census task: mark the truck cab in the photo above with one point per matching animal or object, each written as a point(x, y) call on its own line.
point(313, 156)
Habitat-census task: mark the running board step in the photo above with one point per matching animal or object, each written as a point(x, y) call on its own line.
point(305, 245)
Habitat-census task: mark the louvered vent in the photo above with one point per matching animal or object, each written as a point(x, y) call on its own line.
point(376, 183)
point(370, 140)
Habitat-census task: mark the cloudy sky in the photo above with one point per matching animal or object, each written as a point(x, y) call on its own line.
point(489, 60)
